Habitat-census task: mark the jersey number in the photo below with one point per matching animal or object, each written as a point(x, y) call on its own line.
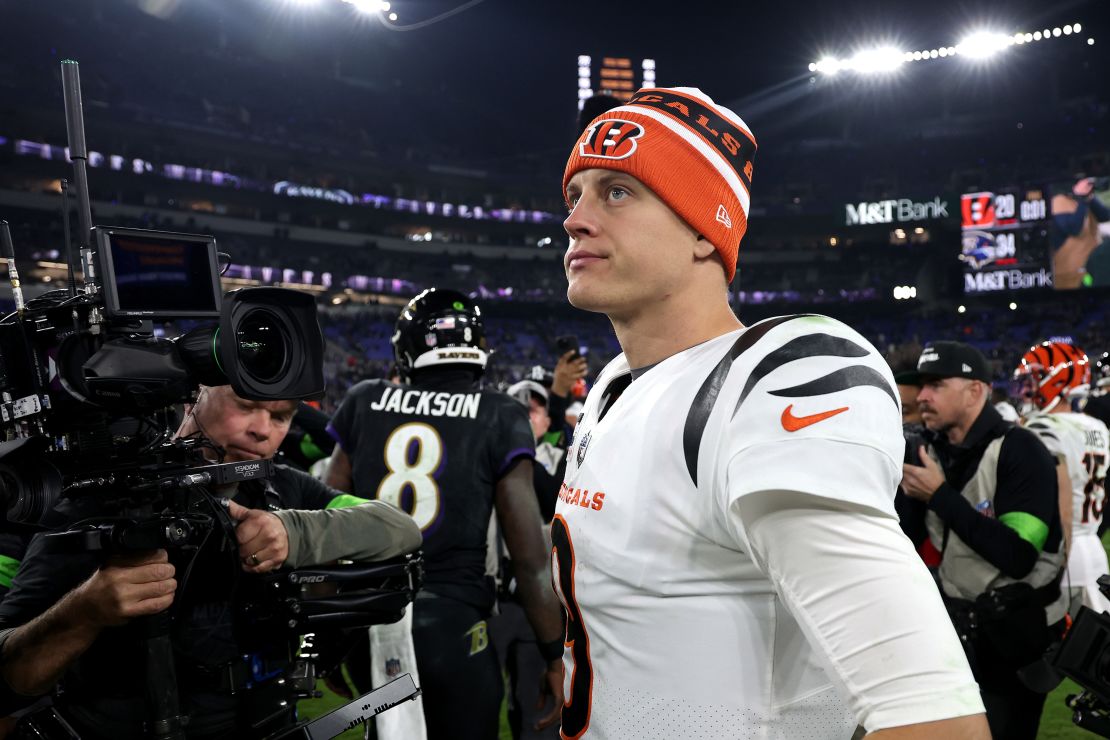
point(413, 453)
point(1094, 492)
point(576, 708)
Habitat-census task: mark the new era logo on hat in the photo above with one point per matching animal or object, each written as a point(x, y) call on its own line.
point(722, 216)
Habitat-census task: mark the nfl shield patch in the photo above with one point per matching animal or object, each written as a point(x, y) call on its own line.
point(392, 667)
point(582, 447)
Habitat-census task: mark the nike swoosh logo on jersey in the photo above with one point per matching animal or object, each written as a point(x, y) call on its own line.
point(793, 423)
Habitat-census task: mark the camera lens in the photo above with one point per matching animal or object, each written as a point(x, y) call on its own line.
point(263, 345)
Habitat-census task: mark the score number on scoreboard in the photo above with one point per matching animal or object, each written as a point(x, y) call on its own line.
point(1004, 241)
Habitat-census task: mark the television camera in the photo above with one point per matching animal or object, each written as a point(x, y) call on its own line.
point(88, 389)
point(1084, 657)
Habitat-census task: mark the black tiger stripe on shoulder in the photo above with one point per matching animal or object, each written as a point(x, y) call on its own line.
point(810, 345)
point(840, 380)
point(706, 396)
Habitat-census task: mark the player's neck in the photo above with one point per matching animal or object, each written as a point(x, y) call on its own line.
point(444, 378)
point(667, 328)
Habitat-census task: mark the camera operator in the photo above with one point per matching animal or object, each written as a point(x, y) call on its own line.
point(73, 608)
point(990, 489)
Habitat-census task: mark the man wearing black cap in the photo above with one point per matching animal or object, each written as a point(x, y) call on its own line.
point(990, 490)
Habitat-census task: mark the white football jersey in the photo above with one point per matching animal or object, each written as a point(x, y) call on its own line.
point(673, 630)
point(1083, 443)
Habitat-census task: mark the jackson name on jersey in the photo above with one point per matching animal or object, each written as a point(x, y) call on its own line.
point(428, 403)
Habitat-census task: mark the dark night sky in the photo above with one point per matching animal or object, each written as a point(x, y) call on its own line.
point(499, 80)
point(502, 74)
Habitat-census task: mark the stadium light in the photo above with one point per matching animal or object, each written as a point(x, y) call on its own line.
point(878, 60)
point(369, 7)
point(1013, 306)
point(828, 65)
point(981, 44)
point(961, 309)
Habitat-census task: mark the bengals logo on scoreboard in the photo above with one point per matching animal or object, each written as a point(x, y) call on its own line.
point(977, 210)
point(610, 138)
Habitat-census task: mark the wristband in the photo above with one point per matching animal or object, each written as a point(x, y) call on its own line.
point(551, 651)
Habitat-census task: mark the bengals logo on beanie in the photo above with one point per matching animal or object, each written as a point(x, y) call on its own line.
point(692, 153)
point(610, 138)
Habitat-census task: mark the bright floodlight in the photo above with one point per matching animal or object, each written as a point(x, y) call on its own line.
point(982, 44)
point(882, 59)
point(977, 45)
point(392, 16)
point(368, 6)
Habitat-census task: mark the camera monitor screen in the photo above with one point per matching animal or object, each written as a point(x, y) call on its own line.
point(156, 274)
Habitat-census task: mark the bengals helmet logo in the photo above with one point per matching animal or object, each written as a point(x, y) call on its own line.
point(610, 138)
point(977, 210)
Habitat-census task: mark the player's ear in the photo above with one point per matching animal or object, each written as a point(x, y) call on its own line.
point(703, 248)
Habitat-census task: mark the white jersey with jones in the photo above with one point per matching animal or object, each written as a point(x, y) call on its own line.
point(673, 630)
point(1083, 443)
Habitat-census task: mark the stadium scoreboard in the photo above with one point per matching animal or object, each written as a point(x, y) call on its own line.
point(1005, 240)
point(616, 76)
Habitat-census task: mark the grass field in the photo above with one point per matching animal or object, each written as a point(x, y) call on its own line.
point(1056, 722)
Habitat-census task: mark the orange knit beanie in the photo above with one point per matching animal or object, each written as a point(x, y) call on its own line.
point(694, 154)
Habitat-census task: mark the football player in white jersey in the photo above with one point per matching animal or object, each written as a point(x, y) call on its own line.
point(1053, 381)
point(725, 543)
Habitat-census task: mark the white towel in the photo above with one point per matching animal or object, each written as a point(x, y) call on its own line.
point(392, 655)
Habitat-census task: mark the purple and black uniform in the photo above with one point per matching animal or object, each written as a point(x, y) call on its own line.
point(436, 450)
